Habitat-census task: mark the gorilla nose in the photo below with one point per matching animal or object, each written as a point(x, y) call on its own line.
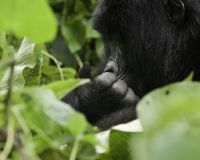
point(111, 67)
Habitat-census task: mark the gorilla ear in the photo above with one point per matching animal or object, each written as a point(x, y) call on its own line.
point(176, 11)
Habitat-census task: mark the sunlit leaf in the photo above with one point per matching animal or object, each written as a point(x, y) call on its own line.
point(174, 141)
point(27, 67)
point(61, 88)
point(31, 18)
point(169, 104)
point(119, 146)
point(42, 106)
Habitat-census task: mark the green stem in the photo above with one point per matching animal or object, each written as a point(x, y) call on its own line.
point(75, 149)
point(78, 59)
point(56, 62)
point(10, 138)
point(21, 120)
point(64, 13)
point(6, 62)
point(8, 95)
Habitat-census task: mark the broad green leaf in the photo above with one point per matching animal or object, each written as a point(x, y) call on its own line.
point(173, 142)
point(44, 112)
point(90, 138)
point(31, 18)
point(40, 144)
point(4, 65)
point(170, 117)
point(171, 103)
point(61, 88)
point(119, 146)
point(27, 67)
point(91, 33)
point(74, 34)
point(32, 75)
point(86, 152)
point(53, 72)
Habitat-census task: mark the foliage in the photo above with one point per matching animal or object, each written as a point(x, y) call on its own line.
point(170, 118)
point(75, 28)
point(15, 16)
point(35, 125)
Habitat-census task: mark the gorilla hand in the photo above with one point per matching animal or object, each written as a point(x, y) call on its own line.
point(108, 82)
point(104, 95)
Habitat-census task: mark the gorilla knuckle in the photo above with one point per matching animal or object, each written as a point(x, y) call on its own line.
point(105, 80)
point(119, 88)
point(130, 98)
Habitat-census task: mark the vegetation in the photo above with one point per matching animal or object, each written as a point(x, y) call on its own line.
point(42, 43)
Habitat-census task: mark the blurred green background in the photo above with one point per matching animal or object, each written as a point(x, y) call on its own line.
point(76, 42)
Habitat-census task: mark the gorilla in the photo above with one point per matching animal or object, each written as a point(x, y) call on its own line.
point(148, 44)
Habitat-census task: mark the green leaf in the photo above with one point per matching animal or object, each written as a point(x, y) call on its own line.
point(44, 112)
point(61, 88)
point(190, 77)
point(91, 33)
point(168, 104)
point(32, 75)
point(53, 72)
point(173, 142)
point(90, 138)
point(27, 67)
point(31, 18)
point(170, 117)
point(53, 154)
point(99, 47)
point(86, 152)
point(119, 146)
point(55, 1)
point(74, 33)
point(3, 45)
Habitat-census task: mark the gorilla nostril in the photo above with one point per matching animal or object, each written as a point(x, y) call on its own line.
point(111, 67)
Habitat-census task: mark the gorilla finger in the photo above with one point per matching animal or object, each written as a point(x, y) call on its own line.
point(85, 71)
point(105, 81)
point(119, 88)
point(130, 98)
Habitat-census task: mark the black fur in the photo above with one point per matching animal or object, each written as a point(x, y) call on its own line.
point(148, 44)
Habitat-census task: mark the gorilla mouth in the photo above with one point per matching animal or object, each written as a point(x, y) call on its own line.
point(117, 65)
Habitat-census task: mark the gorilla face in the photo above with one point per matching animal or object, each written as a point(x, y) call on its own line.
point(150, 42)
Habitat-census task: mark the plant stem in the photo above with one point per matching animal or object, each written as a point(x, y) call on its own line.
point(10, 138)
point(8, 95)
point(78, 59)
point(56, 62)
point(6, 62)
point(64, 13)
point(75, 149)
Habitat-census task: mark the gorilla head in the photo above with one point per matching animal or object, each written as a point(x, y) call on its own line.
point(148, 44)
point(159, 39)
